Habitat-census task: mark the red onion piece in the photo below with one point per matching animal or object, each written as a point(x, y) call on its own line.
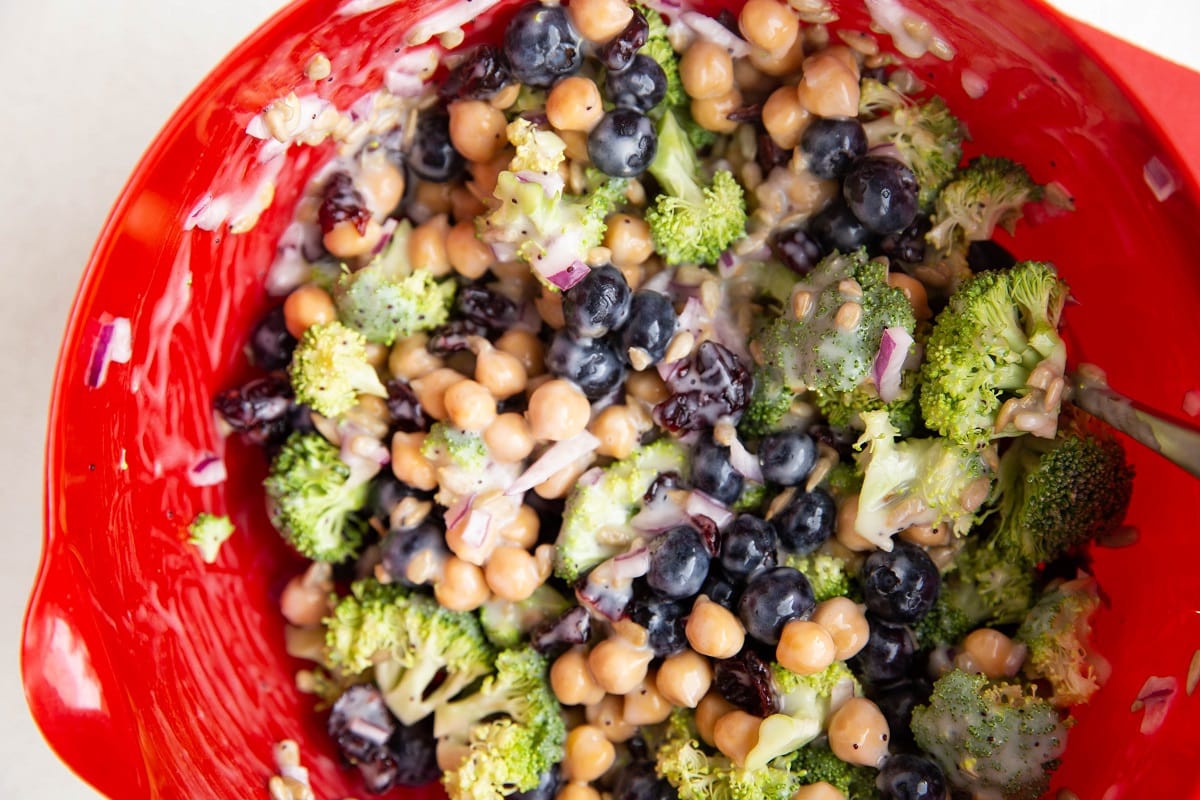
point(1155, 697)
point(387, 230)
point(114, 343)
point(573, 274)
point(744, 461)
point(551, 182)
point(406, 76)
point(712, 30)
point(604, 601)
point(558, 457)
point(209, 470)
point(633, 564)
point(889, 363)
point(457, 512)
point(700, 504)
point(475, 532)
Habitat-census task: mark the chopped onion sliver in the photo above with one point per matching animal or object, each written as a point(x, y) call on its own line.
point(456, 512)
point(372, 733)
point(700, 504)
point(1191, 402)
point(114, 342)
point(633, 564)
point(551, 182)
point(556, 458)
point(659, 517)
point(744, 461)
point(708, 28)
point(476, 530)
point(889, 363)
point(605, 601)
point(570, 276)
point(209, 470)
point(1155, 699)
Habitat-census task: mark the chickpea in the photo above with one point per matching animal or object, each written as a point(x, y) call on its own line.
point(809, 194)
point(305, 599)
point(646, 705)
point(505, 97)
point(571, 680)
point(846, 623)
point(576, 142)
point(713, 113)
point(484, 174)
point(470, 405)
point(512, 573)
point(502, 373)
point(736, 734)
point(711, 708)
point(471, 550)
point(713, 630)
point(769, 24)
point(784, 118)
point(845, 55)
point(587, 754)
point(927, 535)
point(409, 465)
point(684, 678)
point(818, 791)
point(477, 130)
point(991, 652)
point(749, 79)
point(914, 290)
point(618, 665)
point(599, 20)
point(382, 184)
point(706, 70)
point(508, 438)
point(431, 391)
point(344, 240)
point(450, 754)
point(577, 791)
point(778, 64)
point(560, 484)
point(574, 104)
point(410, 359)
point(805, 647)
point(608, 715)
point(845, 533)
point(307, 306)
point(549, 308)
point(628, 239)
point(616, 430)
point(828, 88)
point(427, 246)
point(468, 256)
point(858, 733)
point(462, 587)
point(647, 387)
point(527, 348)
point(557, 411)
point(434, 197)
point(305, 643)
point(522, 530)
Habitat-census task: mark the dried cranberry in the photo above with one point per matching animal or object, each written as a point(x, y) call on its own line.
point(770, 155)
point(746, 113)
point(452, 337)
point(487, 308)
point(712, 384)
point(745, 680)
point(730, 22)
point(572, 628)
point(404, 408)
point(342, 202)
point(260, 410)
point(798, 251)
point(271, 345)
point(617, 54)
point(709, 533)
point(479, 76)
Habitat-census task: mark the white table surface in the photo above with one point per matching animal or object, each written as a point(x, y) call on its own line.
point(127, 66)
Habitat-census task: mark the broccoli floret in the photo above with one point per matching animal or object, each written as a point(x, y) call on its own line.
point(998, 328)
point(512, 727)
point(534, 220)
point(388, 299)
point(826, 573)
point(843, 480)
point(424, 655)
point(692, 220)
point(465, 449)
point(915, 482)
point(658, 47)
point(770, 402)
point(753, 496)
point(814, 764)
point(991, 739)
point(208, 532)
point(596, 517)
point(506, 623)
point(821, 351)
point(927, 137)
point(805, 703)
point(330, 370)
point(1055, 495)
point(1058, 633)
point(313, 499)
point(699, 775)
point(986, 194)
point(844, 410)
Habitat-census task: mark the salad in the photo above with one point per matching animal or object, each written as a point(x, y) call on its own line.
point(661, 420)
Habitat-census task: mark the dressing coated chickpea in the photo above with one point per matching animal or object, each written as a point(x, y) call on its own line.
point(409, 465)
point(769, 24)
point(468, 256)
point(645, 704)
point(618, 666)
point(828, 88)
point(410, 359)
point(616, 430)
point(462, 587)
point(805, 647)
point(502, 373)
point(344, 240)
point(572, 681)
point(736, 734)
point(305, 599)
point(818, 791)
point(508, 438)
point(599, 20)
point(989, 651)
point(608, 715)
point(557, 411)
point(382, 183)
point(778, 63)
point(574, 104)
point(549, 308)
point(470, 405)
point(477, 129)
point(522, 530)
point(784, 118)
point(845, 533)
point(512, 573)
point(712, 113)
point(711, 708)
point(706, 70)
point(431, 391)
point(306, 306)
point(628, 239)
point(846, 623)
point(577, 791)
point(527, 348)
point(713, 630)
point(684, 678)
point(472, 550)
point(427, 246)
point(858, 733)
point(647, 386)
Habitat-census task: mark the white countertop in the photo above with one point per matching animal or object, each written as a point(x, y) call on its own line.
point(128, 66)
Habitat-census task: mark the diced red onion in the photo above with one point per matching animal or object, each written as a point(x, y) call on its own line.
point(114, 342)
point(558, 457)
point(591, 477)
point(387, 230)
point(661, 283)
point(659, 517)
point(744, 461)
point(457, 512)
point(475, 531)
point(208, 213)
point(1159, 178)
point(633, 564)
point(889, 363)
point(1156, 696)
point(700, 504)
point(551, 182)
point(605, 601)
point(712, 30)
point(573, 274)
point(209, 470)
point(291, 266)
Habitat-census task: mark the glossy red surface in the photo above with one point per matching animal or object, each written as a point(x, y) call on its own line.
point(156, 676)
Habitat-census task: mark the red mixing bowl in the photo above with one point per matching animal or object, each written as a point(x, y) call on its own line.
point(155, 676)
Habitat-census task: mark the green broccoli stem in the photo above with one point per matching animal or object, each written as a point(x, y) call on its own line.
point(409, 697)
point(675, 166)
point(457, 719)
point(1178, 444)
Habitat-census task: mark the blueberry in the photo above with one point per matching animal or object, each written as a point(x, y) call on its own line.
point(713, 383)
point(882, 193)
point(806, 522)
point(748, 546)
point(897, 703)
point(541, 46)
point(911, 777)
point(721, 590)
point(900, 586)
point(664, 623)
point(400, 547)
point(836, 228)
point(432, 156)
point(888, 655)
point(385, 493)
point(623, 143)
point(360, 708)
point(678, 563)
point(651, 324)
point(987, 255)
point(593, 364)
point(413, 749)
point(909, 244)
point(271, 345)
point(832, 145)
point(597, 304)
point(787, 457)
point(640, 781)
point(772, 599)
point(618, 52)
point(798, 251)
point(642, 85)
point(546, 789)
point(713, 474)
point(486, 307)
point(479, 76)
point(260, 411)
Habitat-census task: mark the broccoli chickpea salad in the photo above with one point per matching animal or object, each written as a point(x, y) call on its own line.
point(661, 421)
